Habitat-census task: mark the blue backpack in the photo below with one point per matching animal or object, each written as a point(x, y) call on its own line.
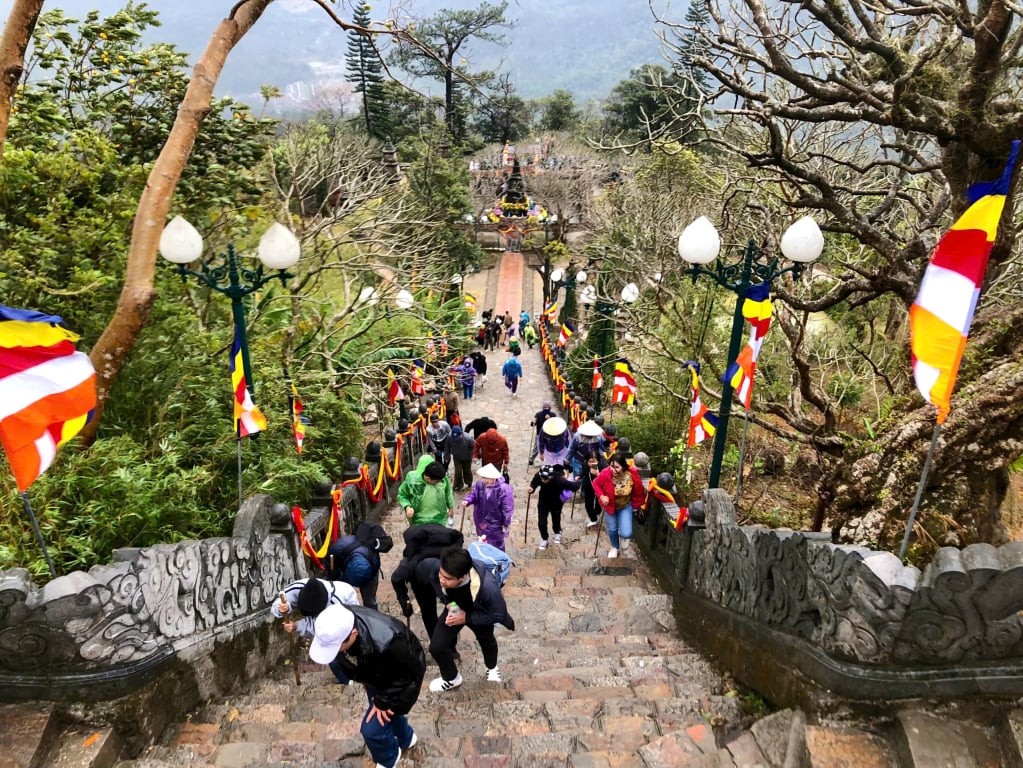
point(493, 559)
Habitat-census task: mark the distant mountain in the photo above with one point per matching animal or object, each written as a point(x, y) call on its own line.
point(583, 46)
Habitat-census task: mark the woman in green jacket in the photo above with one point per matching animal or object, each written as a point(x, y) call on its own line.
point(425, 494)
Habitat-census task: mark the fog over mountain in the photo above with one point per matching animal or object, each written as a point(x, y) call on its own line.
point(584, 46)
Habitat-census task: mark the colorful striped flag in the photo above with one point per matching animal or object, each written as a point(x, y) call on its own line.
point(756, 308)
point(702, 423)
point(47, 390)
point(550, 309)
point(624, 390)
point(295, 406)
point(470, 302)
point(416, 386)
point(566, 333)
point(394, 392)
point(248, 419)
point(940, 318)
point(598, 377)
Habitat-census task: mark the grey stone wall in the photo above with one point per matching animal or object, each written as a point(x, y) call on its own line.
point(842, 620)
point(197, 611)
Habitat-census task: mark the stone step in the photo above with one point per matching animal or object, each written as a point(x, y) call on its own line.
point(926, 740)
point(86, 748)
point(27, 735)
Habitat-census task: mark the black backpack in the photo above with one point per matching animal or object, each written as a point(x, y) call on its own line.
point(371, 534)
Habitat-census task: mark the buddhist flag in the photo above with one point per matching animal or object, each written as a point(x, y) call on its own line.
point(940, 318)
point(394, 392)
point(756, 308)
point(417, 387)
point(624, 390)
point(248, 419)
point(295, 406)
point(598, 377)
point(550, 309)
point(470, 302)
point(566, 333)
point(702, 423)
point(47, 390)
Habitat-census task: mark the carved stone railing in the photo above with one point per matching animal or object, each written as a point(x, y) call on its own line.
point(808, 623)
point(805, 621)
point(149, 636)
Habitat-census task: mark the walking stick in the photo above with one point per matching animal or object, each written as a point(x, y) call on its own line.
point(461, 525)
point(600, 524)
point(571, 512)
point(291, 639)
point(525, 537)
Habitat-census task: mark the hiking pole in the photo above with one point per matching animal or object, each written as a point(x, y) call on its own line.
point(600, 524)
point(461, 525)
point(291, 638)
point(525, 536)
point(571, 512)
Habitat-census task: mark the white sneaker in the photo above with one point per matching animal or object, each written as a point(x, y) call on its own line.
point(557, 538)
point(613, 552)
point(626, 543)
point(592, 524)
point(451, 522)
point(439, 685)
point(543, 543)
point(494, 675)
point(396, 760)
point(415, 740)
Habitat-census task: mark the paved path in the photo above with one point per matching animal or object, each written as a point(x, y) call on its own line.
point(595, 674)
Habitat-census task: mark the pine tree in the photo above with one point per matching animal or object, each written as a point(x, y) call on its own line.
point(365, 70)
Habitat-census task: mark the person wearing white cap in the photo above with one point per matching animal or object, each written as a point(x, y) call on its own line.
point(492, 503)
point(384, 655)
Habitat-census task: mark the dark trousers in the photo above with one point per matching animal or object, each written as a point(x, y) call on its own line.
point(368, 591)
point(426, 599)
point(590, 500)
point(463, 474)
point(541, 518)
point(445, 638)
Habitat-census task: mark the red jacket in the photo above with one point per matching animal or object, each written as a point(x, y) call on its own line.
point(603, 485)
point(492, 448)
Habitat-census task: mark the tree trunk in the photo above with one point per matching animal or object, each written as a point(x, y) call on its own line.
point(13, 44)
point(137, 294)
point(969, 477)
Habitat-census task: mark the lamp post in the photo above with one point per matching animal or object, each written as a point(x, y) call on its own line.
point(699, 245)
point(565, 278)
point(605, 327)
point(279, 249)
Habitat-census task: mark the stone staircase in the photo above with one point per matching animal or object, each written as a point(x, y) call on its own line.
point(595, 676)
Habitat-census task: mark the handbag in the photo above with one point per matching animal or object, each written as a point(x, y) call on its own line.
point(504, 474)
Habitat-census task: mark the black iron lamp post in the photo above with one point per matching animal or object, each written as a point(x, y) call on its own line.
point(565, 278)
point(699, 245)
point(278, 250)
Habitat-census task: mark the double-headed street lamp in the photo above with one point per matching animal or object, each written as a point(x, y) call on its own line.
point(562, 277)
point(699, 245)
point(604, 324)
point(279, 249)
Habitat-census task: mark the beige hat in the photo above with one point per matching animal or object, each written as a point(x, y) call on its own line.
point(489, 471)
point(554, 426)
point(590, 429)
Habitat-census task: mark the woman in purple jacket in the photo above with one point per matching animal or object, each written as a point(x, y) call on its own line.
point(493, 503)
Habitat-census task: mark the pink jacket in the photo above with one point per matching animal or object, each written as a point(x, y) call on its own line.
point(603, 485)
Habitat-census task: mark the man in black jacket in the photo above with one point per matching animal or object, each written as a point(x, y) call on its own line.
point(473, 599)
point(423, 545)
point(381, 653)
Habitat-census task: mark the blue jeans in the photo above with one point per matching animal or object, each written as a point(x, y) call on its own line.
point(467, 390)
point(338, 672)
point(383, 741)
point(620, 523)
